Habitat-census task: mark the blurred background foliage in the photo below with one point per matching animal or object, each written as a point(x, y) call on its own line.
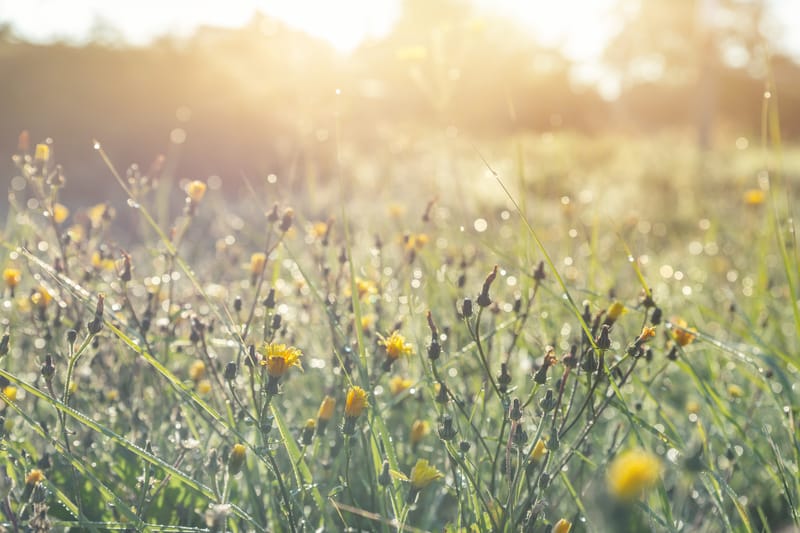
point(262, 98)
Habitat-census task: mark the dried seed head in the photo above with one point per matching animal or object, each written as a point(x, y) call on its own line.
point(484, 300)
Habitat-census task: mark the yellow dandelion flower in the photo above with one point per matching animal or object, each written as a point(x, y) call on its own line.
point(97, 213)
point(197, 370)
point(365, 287)
point(278, 358)
point(754, 197)
point(631, 473)
point(614, 311)
point(355, 403)
point(539, 450)
point(60, 213)
point(102, 263)
point(12, 277)
point(204, 386)
point(319, 229)
point(76, 233)
point(42, 153)
point(682, 334)
point(735, 391)
point(419, 429)
point(326, 409)
point(395, 345)
point(257, 262)
point(41, 297)
point(34, 477)
point(11, 392)
point(195, 190)
point(399, 384)
point(236, 459)
point(562, 526)
point(423, 474)
point(647, 333)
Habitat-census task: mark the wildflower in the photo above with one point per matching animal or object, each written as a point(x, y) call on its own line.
point(12, 277)
point(395, 346)
point(539, 450)
point(236, 459)
point(681, 334)
point(60, 213)
point(195, 190)
point(102, 263)
point(354, 405)
point(204, 386)
point(483, 298)
point(396, 210)
point(631, 473)
point(325, 413)
point(614, 311)
point(11, 392)
point(446, 430)
point(319, 229)
point(41, 297)
point(419, 429)
point(647, 333)
point(98, 213)
point(422, 475)
point(197, 370)
point(399, 384)
point(278, 358)
point(257, 262)
point(286, 220)
point(754, 197)
point(308, 432)
point(42, 153)
point(735, 391)
point(35, 476)
point(365, 288)
point(112, 395)
point(367, 321)
point(562, 526)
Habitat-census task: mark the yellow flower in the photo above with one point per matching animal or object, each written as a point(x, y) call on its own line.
point(562, 526)
point(364, 287)
point(41, 297)
point(12, 276)
point(398, 384)
point(397, 210)
point(326, 408)
point(681, 334)
point(76, 233)
point(395, 346)
point(355, 403)
point(102, 263)
point(197, 370)
point(278, 358)
point(10, 392)
point(236, 459)
point(614, 312)
point(257, 261)
point(423, 474)
point(204, 386)
point(98, 212)
point(195, 190)
point(319, 229)
point(735, 390)
point(419, 429)
point(112, 395)
point(35, 476)
point(753, 197)
point(631, 473)
point(647, 333)
point(693, 407)
point(60, 213)
point(539, 450)
point(42, 153)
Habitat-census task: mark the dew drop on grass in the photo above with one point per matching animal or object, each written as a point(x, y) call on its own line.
point(631, 259)
point(96, 145)
point(133, 203)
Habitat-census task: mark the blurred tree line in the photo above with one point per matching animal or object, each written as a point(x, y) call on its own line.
point(263, 98)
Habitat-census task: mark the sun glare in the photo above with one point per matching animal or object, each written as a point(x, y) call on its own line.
point(579, 28)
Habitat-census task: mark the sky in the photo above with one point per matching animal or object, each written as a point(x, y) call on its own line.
point(344, 23)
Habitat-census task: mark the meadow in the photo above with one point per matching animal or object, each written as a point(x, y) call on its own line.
point(546, 332)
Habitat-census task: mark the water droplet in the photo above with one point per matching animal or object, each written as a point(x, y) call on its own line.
point(133, 203)
point(631, 259)
point(96, 145)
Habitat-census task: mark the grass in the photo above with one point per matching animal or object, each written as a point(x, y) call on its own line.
point(547, 330)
